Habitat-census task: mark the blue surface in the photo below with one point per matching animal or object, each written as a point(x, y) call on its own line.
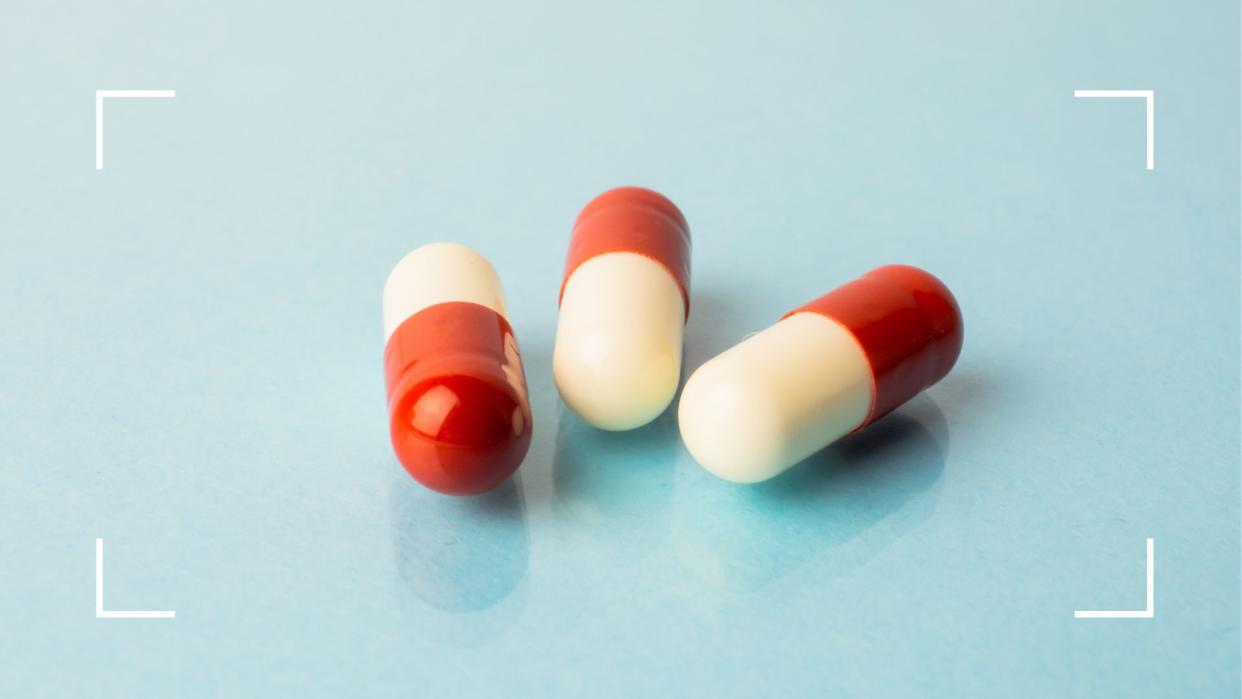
point(190, 360)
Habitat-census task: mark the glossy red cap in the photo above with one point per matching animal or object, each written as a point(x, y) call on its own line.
point(459, 417)
point(908, 325)
point(637, 220)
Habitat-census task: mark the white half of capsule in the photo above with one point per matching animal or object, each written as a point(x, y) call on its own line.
point(617, 358)
point(439, 273)
point(774, 399)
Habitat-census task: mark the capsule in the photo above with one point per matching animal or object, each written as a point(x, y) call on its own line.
point(623, 306)
point(831, 367)
point(459, 417)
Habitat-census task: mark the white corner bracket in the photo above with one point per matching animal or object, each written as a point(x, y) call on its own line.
point(1147, 613)
point(100, 95)
point(100, 612)
point(1150, 96)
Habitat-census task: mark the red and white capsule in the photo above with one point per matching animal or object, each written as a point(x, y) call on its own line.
point(824, 370)
point(623, 308)
point(459, 416)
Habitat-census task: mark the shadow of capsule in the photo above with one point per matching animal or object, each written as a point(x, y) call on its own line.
point(602, 476)
point(846, 502)
point(462, 558)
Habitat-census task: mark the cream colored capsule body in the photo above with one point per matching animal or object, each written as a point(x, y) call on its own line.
point(774, 399)
point(617, 359)
point(439, 273)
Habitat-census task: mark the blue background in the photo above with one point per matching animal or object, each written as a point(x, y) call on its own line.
point(190, 353)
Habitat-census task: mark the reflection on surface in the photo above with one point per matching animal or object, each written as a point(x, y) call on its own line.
point(617, 477)
point(461, 556)
point(845, 503)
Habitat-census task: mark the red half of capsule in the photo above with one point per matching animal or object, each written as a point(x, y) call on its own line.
point(637, 220)
point(458, 411)
point(908, 325)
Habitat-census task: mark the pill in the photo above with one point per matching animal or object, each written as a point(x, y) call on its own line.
point(827, 369)
point(623, 305)
point(459, 416)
